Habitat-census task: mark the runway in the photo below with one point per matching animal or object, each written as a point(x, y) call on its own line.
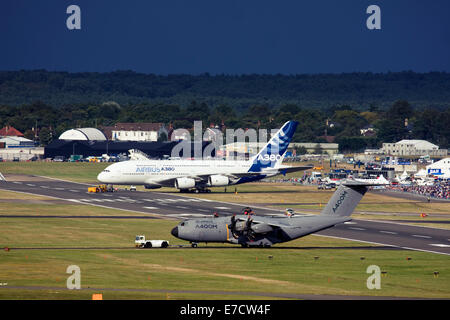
point(178, 206)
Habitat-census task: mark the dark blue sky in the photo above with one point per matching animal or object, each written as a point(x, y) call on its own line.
point(225, 36)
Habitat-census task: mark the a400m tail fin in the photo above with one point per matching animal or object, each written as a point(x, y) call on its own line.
point(348, 195)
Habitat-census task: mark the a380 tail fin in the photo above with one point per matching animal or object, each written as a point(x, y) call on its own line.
point(273, 152)
point(348, 195)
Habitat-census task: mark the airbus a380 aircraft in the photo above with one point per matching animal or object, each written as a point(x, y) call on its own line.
point(201, 174)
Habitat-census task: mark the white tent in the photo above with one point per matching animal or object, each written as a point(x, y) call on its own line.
point(404, 175)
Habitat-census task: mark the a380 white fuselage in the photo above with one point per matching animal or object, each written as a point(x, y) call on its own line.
point(178, 173)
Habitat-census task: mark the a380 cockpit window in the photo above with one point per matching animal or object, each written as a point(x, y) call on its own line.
point(106, 170)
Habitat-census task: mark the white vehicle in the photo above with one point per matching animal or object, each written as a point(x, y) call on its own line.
point(316, 175)
point(198, 175)
point(380, 181)
point(136, 155)
point(141, 242)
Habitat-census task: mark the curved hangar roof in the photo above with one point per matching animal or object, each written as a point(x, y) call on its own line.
point(83, 134)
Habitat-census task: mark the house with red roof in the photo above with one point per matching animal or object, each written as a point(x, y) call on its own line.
point(9, 131)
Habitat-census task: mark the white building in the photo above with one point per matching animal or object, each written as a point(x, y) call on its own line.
point(140, 131)
point(17, 142)
point(180, 134)
point(413, 148)
point(252, 148)
point(312, 147)
point(19, 148)
point(440, 168)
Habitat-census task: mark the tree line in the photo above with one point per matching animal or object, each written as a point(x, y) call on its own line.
point(343, 123)
point(311, 91)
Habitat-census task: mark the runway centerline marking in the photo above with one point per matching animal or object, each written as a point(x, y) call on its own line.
point(420, 236)
point(388, 232)
point(359, 229)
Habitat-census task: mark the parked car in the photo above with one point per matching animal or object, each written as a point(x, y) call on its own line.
point(331, 185)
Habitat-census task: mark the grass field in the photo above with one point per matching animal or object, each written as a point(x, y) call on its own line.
point(336, 271)
point(103, 249)
point(74, 171)
point(43, 248)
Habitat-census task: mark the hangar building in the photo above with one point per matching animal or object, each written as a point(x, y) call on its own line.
point(440, 168)
point(83, 134)
point(92, 142)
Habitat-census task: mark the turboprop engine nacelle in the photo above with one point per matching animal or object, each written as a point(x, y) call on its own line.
point(218, 181)
point(261, 228)
point(255, 228)
point(240, 226)
point(184, 183)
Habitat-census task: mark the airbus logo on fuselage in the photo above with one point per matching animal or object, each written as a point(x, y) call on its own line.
point(154, 169)
point(206, 226)
point(271, 157)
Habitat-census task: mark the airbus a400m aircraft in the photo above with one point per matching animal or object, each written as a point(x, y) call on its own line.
point(250, 230)
point(201, 174)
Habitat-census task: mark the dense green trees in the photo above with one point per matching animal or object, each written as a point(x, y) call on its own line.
point(363, 91)
point(400, 121)
point(325, 105)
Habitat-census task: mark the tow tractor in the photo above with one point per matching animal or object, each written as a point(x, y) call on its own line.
point(141, 242)
point(101, 188)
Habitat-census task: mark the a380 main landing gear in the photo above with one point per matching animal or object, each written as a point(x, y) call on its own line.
point(196, 190)
point(205, 190)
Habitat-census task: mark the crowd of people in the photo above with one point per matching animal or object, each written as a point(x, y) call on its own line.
point(439, 190)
